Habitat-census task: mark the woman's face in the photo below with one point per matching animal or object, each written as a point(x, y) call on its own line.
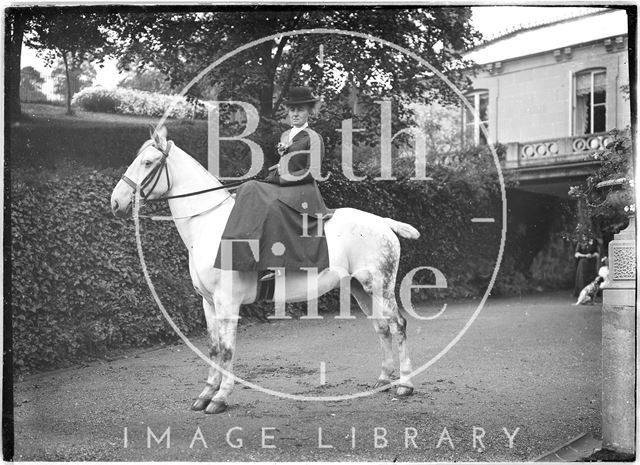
point(299, 114)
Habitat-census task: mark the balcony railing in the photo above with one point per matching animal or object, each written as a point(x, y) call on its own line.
point(554, 151)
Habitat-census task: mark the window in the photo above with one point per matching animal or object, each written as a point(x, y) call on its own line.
point(591, 102)
point(472, 120)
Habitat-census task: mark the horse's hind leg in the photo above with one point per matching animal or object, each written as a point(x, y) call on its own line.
point(214, 378)
point(381, 325)
point(398, 327)
point(371, 290)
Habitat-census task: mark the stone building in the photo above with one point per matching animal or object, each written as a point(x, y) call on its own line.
point(550, 93)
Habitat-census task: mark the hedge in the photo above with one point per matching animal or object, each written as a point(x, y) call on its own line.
point(77, 289)
point(136, 102)
point(99, 145)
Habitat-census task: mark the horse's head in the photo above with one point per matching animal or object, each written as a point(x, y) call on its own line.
point(148, 172)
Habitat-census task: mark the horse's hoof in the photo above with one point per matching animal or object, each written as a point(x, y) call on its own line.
point(200, 404)
point(404, 391)
point(216, 406)
point(382, 382)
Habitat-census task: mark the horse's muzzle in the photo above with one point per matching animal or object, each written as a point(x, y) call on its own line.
point(118, 211)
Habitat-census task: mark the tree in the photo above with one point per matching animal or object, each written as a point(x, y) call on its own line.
point(16, 21)
point(182, 44)
point(74, 79)
point(151, 80)
point(31, 85)
point(70, 34)
point(442, 128)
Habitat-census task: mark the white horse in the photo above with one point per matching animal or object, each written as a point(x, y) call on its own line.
point(362, 247)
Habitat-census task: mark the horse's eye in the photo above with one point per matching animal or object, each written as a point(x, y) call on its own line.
point(148, 163)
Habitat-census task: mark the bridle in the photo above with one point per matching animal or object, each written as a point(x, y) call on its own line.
point(156, 173)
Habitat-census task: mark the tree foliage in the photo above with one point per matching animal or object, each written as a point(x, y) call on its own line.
point(81, 76)
point(150, 80)
point(182, 45)
point(442, 126)
point(179, 43)
point(70, 35)
point(31, 84)
point(31, 76)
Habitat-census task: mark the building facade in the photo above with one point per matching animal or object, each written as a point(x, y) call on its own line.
point(550, 93)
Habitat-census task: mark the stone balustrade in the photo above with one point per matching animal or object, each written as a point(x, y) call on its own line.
point(554, 151)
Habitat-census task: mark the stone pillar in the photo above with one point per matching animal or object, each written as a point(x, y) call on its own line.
point(513, 152)
point(618, 345)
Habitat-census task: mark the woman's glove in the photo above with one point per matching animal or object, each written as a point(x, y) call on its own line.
point(281, 148)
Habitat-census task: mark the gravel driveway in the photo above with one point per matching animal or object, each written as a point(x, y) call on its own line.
point(530, 363)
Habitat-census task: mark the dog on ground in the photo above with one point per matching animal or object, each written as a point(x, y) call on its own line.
point(588, 294)
point(604, 272)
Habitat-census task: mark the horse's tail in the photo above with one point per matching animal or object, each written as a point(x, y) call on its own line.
point(402, 229)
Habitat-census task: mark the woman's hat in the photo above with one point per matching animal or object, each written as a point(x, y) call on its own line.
point(300, 95)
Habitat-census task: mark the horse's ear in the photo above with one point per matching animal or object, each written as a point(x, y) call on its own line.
point(159, 137)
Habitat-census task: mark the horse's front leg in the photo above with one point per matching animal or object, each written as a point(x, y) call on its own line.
point(227, 313)
point(214, 378)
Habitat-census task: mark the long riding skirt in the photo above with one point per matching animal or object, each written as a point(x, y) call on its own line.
point(290, 234)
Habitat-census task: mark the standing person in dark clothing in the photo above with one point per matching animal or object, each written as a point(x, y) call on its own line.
point(586, 263)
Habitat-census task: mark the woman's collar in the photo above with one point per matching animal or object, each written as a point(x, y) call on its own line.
point(294, 131)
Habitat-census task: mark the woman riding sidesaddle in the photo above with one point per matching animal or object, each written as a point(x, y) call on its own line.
point(283, 211)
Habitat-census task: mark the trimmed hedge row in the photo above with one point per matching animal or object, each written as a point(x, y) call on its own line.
point(77, 287)
point(136, 102)
point(99, 145)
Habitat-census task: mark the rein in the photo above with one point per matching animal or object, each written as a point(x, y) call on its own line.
point(155, 174)
point(204, 191)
